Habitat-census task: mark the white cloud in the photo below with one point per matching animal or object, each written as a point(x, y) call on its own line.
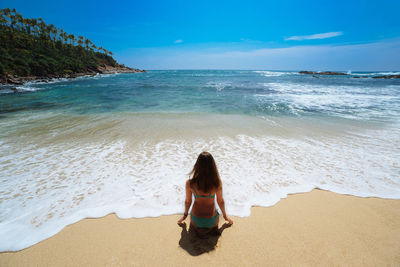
point(314, 36)
point(178, 41)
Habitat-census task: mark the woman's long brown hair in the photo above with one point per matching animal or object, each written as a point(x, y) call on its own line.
point(205, 173)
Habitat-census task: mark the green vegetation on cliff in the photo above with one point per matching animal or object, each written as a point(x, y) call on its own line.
point(30, 47)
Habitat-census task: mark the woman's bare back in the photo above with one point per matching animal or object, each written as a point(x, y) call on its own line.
point(203, 206)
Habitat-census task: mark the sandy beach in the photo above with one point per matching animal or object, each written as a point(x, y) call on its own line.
point(319, 228)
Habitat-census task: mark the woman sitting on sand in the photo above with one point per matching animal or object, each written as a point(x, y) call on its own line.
point(204, 185)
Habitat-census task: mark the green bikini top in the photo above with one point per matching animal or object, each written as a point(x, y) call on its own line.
point(197, 196)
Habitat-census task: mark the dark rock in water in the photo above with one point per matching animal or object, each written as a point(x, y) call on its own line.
point(15, 89)
point(356, 77)
point(331, 73)
point(322, 72)
point(306, 72)
point(13, 80)
point(397, 76)
point(118, 69)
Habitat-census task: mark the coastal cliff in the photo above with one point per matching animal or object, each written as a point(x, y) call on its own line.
point(30, 50)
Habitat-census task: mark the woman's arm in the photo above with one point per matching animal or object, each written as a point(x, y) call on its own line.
point(221, 204)
point(188, 201)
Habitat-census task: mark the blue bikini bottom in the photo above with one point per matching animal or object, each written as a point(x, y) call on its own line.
point(205, 222)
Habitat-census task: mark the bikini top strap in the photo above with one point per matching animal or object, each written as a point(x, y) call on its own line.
point(195, 193)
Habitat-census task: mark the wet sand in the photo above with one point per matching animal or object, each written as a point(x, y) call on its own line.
point(319, 228)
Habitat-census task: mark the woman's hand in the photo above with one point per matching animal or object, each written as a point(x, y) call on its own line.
point(228, 220)
point(182, 219)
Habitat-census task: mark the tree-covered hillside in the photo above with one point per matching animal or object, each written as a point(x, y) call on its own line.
point(30, 47)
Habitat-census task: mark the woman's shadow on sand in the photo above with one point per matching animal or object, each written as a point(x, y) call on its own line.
point(196, 243)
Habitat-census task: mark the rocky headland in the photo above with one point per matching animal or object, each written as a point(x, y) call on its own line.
point(31, 50)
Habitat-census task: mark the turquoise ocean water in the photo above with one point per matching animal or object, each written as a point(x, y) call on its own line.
point(124, 143)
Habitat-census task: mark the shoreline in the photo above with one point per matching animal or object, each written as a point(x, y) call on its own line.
point(315, 228)
point(10, 80)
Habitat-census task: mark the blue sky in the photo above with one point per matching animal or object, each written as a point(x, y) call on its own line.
point(271, 35)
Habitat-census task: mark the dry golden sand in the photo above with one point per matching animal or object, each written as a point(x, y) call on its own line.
point(319, 228)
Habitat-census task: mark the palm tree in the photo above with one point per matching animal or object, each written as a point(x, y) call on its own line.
point(12, 18)
point(42, 27)
point(73, 39)
point(53, 32)
point(34, 26)
point(70, 36)
point(7, 15)
point(66, 37)
point(27, 23)
point(63, 36)
point(3, 16)
point(80, 40)
point(87, 42)
point(6, 12)
point(60, 34)
point(90, 42)
point(19, 20)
